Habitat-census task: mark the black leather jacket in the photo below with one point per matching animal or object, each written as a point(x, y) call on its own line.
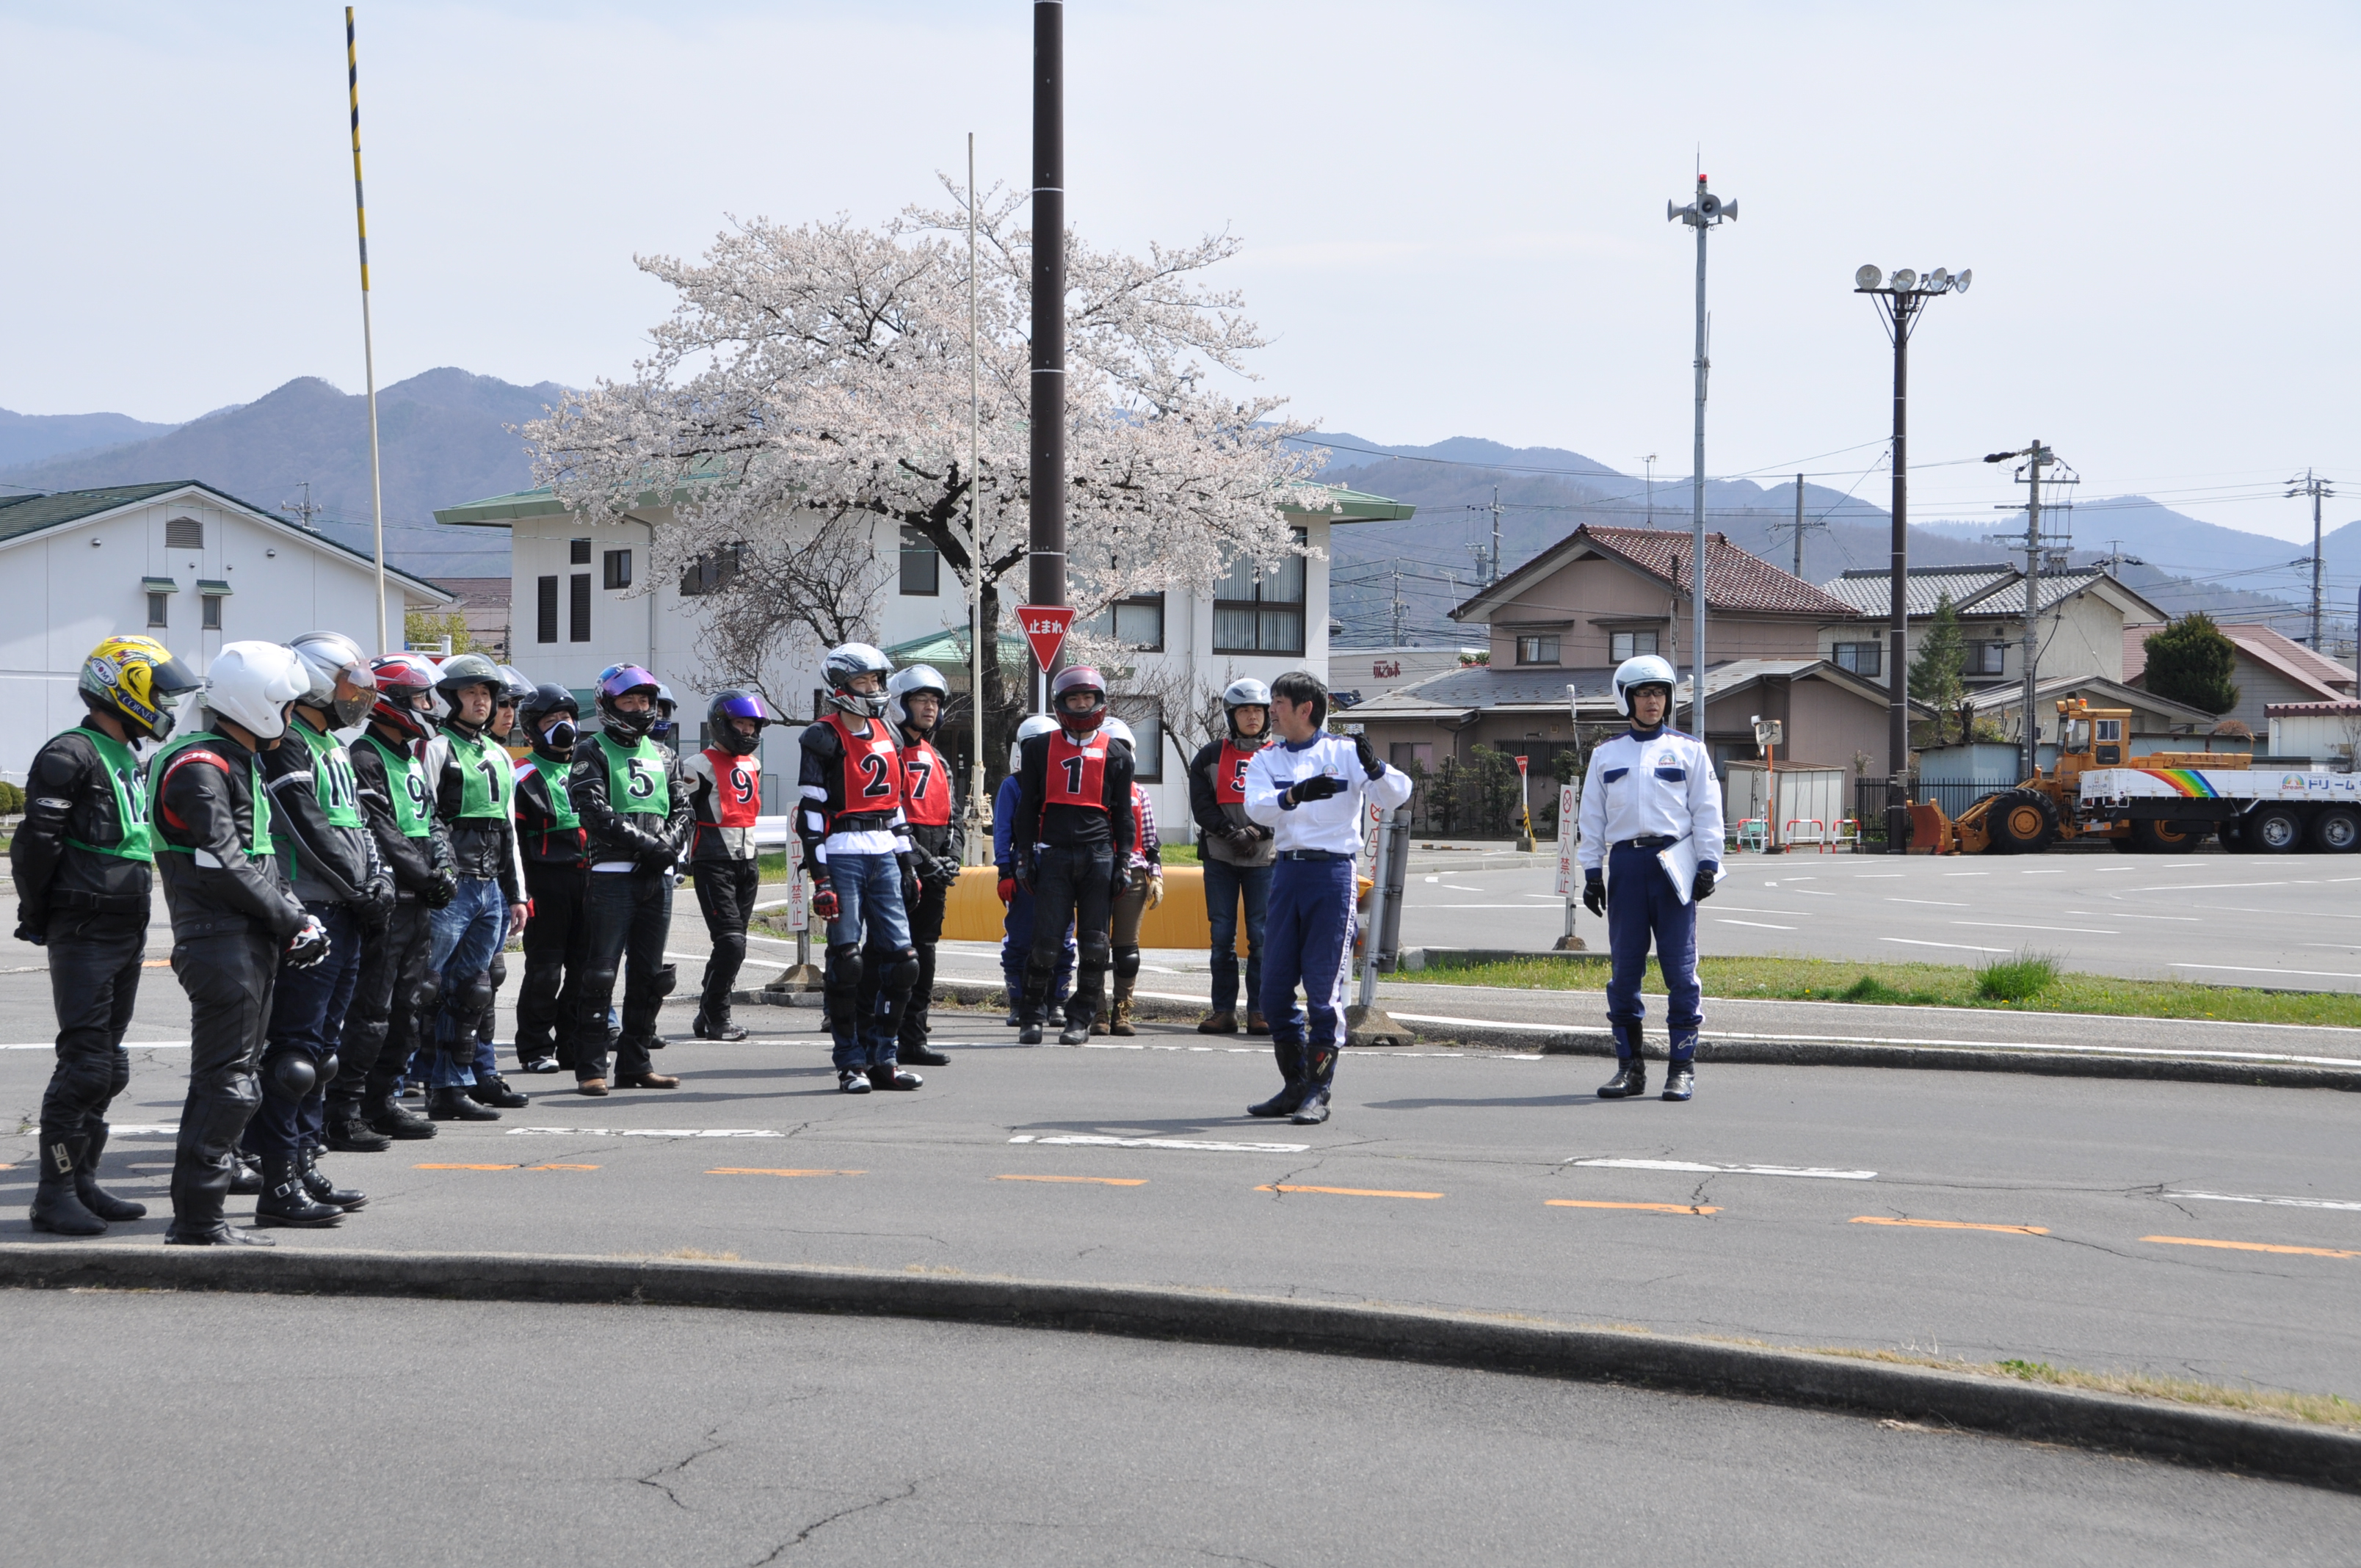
point(612, 835)
point(68, 796)
point(202, 813)
point(414, 862)
point(331, 864)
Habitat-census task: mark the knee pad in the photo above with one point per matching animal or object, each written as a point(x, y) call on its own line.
point(499, 970)
point(1127, 962)
point(1096, 948)
point(902, 970)
point(472, 994)
point(844, 966)
point(429, 993)
point(667, 978)
point(289, 1075)
point(330, 1065)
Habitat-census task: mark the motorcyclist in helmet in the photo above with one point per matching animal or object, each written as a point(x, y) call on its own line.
point(725, 788)
point(1238, 853)
point(549, 831)
point(1016, 923)
point(914, 700)
point(1073, 842)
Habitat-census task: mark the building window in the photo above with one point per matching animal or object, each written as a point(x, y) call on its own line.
point(1622, 645)
point(1987, 658)
point(1409, 753)
point(157, 614)
point(1537, 650)
point(618, 569)
point(577, 553)
point(579, 609)
point(184, 534)
point(1861, 658)
point(1136, 623)
point(922, 565)
point(713, 571)
point(209, 615)
point(546, 610)
point(1145, 717)
point(1260, 612)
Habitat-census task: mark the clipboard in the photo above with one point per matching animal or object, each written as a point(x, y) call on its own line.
point(1679, 859)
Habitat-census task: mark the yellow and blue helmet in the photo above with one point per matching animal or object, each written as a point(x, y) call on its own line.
point(138, 680)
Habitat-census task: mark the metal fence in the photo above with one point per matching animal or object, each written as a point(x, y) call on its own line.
point(1953, 796)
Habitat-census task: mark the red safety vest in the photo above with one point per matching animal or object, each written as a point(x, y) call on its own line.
point(1230, 774)
point(1138, 820)
point(926, 785)
point(1077, 772)
point(873, 769)
point(737, 789)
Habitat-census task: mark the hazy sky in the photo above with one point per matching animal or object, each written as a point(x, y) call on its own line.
point(1454, 214)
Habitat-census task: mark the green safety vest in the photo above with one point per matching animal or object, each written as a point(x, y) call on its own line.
point(414, 808)
point(486, 777)
point(636, 781)
point(559, 778)
point(257, 835)
point(130, 784)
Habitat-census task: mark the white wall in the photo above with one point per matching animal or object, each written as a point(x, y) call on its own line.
point(61, 595)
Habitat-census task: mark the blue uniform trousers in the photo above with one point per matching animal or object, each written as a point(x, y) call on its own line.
point(1642, 905)
point(1308, 937)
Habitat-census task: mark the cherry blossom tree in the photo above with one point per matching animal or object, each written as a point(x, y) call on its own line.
point(816, 375)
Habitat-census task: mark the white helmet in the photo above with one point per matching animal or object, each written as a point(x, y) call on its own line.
point(916, 678)
point(1117, 729)
point(1647, 669)
point(328, 657)
point(1038, 724)
point(253, 683)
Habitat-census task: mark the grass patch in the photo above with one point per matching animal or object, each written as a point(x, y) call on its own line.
point(1178, 854)
point(2020, 978)
point(2316, 1409)
point(1931, 985)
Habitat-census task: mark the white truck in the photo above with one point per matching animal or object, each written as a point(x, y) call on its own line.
point(2257, 810)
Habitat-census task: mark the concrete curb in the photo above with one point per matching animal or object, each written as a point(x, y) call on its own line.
point(1595, 1042)
point(2188, 1434)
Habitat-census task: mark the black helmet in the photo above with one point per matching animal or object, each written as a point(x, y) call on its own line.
point(555, 741)
point(733, 704)
point(465, 670)
point(616, 721)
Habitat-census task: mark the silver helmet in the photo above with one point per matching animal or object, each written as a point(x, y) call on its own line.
point(1037, 724)
point(843, 665)
point(328, 658)
point(1246, 692)
point(916, 678)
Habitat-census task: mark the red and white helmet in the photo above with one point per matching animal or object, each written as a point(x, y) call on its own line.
point(1078, 678)
point(403, 680)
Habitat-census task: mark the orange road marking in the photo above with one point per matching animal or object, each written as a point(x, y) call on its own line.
point(1095, 1180)
point(1346, 1192)
point(155, 963)
point(1950, 1226)
point(749, 1170)
point(1651, 1208)
point(466, 1168)
point(2251, 1246)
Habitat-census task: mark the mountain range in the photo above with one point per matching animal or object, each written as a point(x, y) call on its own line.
point(447, 436)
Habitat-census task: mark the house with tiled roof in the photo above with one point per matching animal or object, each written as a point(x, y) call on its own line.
point(2272, 670)
point(2081, 617)
point(175, 560)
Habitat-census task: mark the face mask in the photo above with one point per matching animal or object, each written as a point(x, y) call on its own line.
point(558, 739)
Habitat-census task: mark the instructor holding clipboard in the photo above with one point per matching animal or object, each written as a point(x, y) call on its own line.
point(1651, 848)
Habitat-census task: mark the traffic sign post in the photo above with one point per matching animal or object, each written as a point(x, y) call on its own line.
point(1569, 874)
point(1045, 626)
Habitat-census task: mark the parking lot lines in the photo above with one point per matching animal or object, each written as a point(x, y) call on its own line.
point(1650, 1208)
point(1343, 1191)
point(754, 1170)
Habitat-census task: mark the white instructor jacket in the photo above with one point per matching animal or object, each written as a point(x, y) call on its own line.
point(1656, 786)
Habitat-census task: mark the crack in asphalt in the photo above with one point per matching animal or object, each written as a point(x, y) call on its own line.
point(713, 1443)
point(909, 1490)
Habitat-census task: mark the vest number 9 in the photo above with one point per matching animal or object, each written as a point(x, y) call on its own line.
point(743, 783)
point(636, 781)
point(415, 787)
point(874, 764)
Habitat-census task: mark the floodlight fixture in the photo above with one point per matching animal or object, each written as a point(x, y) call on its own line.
point(1959, 280)
point(1868, 278)
point(1904, 280)
point(1940, 278)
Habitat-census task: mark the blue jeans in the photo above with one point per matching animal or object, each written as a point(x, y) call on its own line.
point(1640, 904)
point(869, 900)
point(1309, 936)
point(1016, 950)
point(307, 1016)
point(466, 933)
point(1226, 885)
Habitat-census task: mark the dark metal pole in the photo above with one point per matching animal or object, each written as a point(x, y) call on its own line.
point(1047, 413)
point(1897, 735)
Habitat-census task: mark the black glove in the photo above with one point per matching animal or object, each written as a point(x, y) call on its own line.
point(945, 869)
point(1702, 889)
point(1594, 893)
point(309, 946)
point(1370, 763)
point(441, 888)
point(376, 908)
point(909, 879)
point(655, 854)
point(37, 936)
point(1262, 834)
point(1319, 786)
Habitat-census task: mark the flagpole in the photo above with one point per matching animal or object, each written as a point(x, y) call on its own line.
point(368, 346)
point(978, 810)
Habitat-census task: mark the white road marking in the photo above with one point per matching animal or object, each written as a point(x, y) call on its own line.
point(2258, 969)
point(1815, 892)
point(2250, 1198)
point(1939, 902)
point(135, 1130)
point(644, 1132)
point(2119, 914)
point(2030, 870)
point(1876, 876)
point(1960, 874)
point(1757, 925)
point(1819, 1172)
point(1751, 909)
point(1089, 1140)
point(2021, 925)
point(1958, 947)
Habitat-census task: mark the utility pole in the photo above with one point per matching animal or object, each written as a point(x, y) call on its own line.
point(1496, 563)
point(302, 512)
point(1799, 525)
point(1901, 299)
point(1398, 608)
point(1702, 214)
point(1047, 416)
point(1650, 461)
point(369, 340)
point(2037, 458)
point(2315, 487)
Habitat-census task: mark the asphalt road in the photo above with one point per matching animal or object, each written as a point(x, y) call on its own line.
point(2172, 1227)
point(2289, 921)
point(203, 1429)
